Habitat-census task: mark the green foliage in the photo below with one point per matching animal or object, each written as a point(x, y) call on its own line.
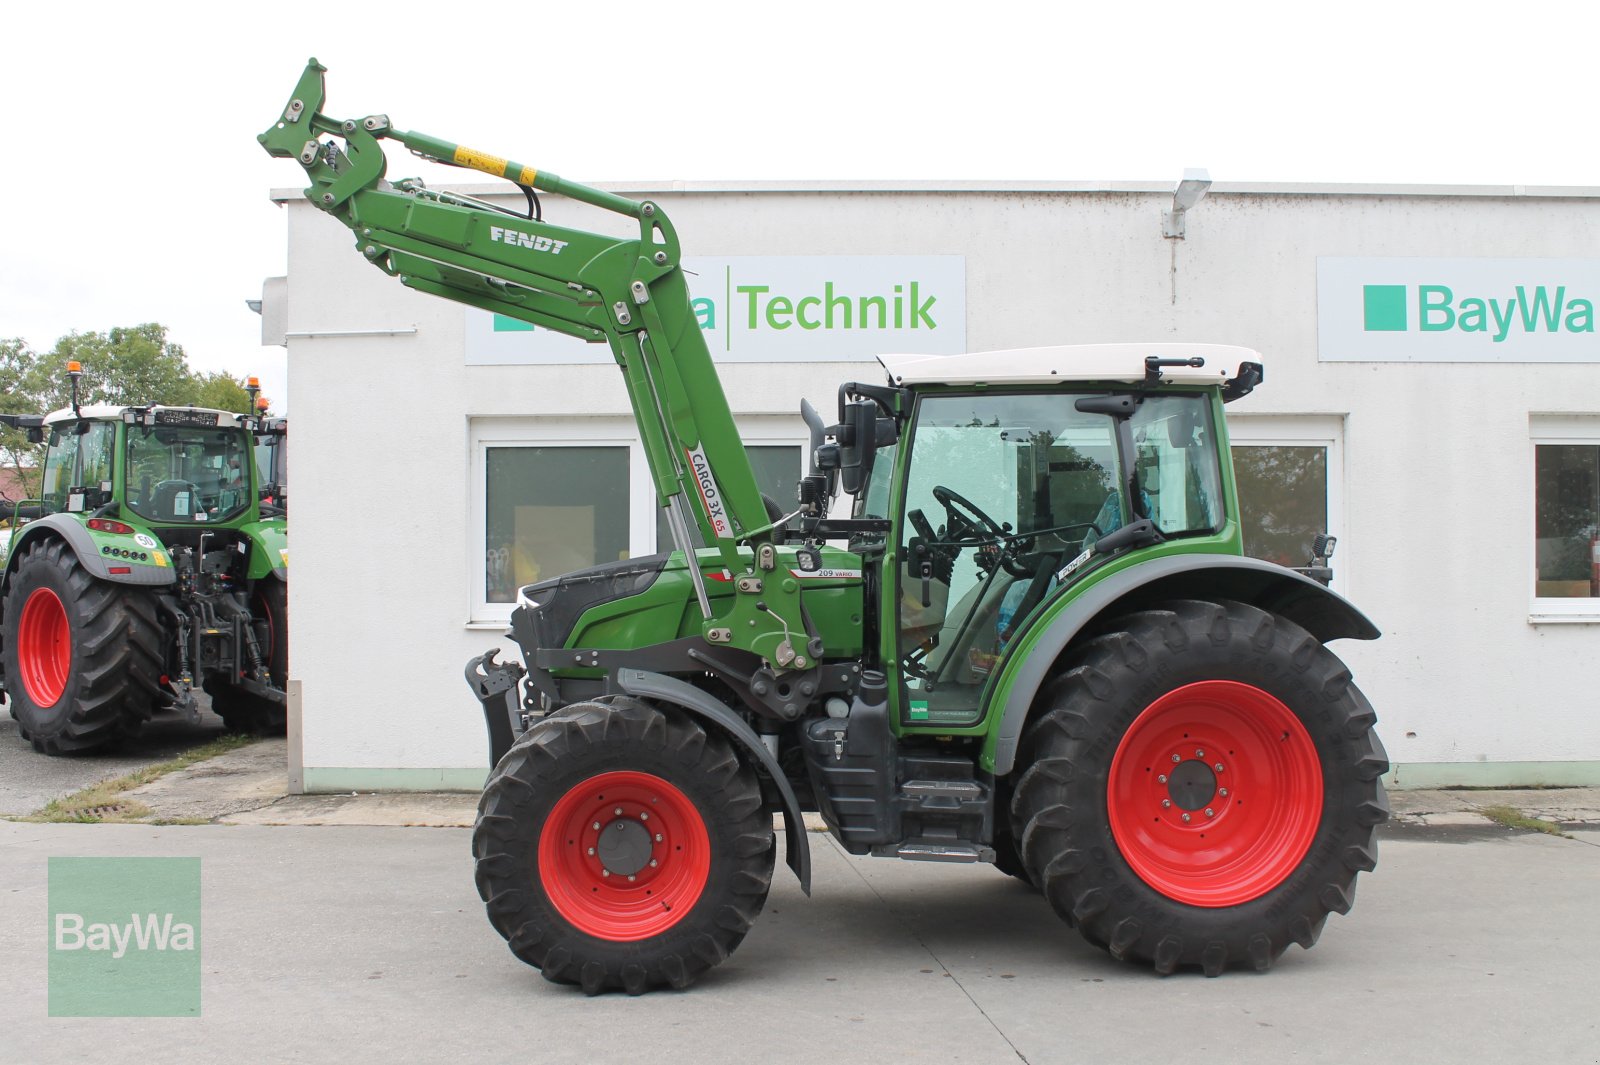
point(126, 365)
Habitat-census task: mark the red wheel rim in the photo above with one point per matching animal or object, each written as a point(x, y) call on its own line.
point(44, 647)
point(642, 878)
point(1211, 837)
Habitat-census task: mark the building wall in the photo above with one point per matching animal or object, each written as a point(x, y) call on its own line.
point(1436, 523)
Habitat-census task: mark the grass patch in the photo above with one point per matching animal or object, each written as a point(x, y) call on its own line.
point(1511, 817)
point(105, 804)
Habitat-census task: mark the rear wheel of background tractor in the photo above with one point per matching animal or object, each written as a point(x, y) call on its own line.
point(245, 711)
point(1201, 789)
point(82, 656)
point(620, 846)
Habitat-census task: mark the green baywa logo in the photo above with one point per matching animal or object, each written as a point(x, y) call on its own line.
point(1530, 309)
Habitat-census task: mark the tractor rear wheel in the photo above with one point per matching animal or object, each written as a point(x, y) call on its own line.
point(245, 711)
point(1200, 788)
point(82, 656)
point(621, 846)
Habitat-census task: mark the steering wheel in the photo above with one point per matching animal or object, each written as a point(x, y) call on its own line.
point(966, 517)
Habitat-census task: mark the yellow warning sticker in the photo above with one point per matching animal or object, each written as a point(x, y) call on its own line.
point(529, 176)
point(159, 559)
point(283, 555)
point(489, 164)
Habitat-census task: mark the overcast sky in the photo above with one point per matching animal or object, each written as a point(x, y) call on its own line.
point(133, 189)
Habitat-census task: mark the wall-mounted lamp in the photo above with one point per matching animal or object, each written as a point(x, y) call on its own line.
point(1190, 191)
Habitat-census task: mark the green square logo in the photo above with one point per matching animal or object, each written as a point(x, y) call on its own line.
point(919, 709)
point(124, 937)
point(1385, 307)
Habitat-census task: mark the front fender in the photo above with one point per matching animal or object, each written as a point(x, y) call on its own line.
point(687, 697)
point(1322, 612)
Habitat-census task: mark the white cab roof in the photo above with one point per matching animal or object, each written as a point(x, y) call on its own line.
point(1069, 362)
point(113, 412)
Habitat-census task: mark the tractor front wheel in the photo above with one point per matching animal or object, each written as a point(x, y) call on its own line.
point(1201, 788)
point(622, 847)
point(82, 656)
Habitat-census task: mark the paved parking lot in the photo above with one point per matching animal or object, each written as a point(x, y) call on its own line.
point(370, 945)
point(28, 779)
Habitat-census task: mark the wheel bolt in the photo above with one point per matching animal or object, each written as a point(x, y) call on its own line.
point(631, 878)
point(644, 817)
point(1223, 792)
point(595, 826)
point(1185, 818)
point(1161, 778)
point(605, 872)
point(1176, 759)
point(591, 852)
point(660, 837)
point(1219, 767)
point(1210, 812)
point(617, 812)
point(1166, 804)
point(653, 863)
point(1199, 753)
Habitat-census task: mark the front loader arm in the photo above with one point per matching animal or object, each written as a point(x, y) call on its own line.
point(629, 293)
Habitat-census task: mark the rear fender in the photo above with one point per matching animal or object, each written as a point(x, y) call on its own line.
point(1322, 612)
point(687, 697)
point(87, 550)
point(269, 548)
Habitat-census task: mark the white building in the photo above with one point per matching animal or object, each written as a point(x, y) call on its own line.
point(1432, 396)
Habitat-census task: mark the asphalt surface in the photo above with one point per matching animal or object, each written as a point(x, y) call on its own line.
point(356, 945)
point(28, 779)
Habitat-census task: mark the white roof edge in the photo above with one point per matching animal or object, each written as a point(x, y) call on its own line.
point(1163, 188)
point(1070, 362)
point(114, 410)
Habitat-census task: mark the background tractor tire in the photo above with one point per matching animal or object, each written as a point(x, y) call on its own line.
point(668, 883)
point(1201, 788)
point(82, 656)
point(245, 711)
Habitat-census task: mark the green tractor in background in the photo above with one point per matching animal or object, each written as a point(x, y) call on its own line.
point(1034, 641)
point(150, 565)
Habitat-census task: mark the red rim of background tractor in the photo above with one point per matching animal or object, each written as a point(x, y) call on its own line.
point(621, 906)
point(1264, 805)
point(44, 647)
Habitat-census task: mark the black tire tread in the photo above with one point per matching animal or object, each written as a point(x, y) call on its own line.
point(1065, 841)
point(118, 643)
point(526, 784)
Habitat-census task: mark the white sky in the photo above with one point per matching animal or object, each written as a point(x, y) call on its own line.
point(133, 189)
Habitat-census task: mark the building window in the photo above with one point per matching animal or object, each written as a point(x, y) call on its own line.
point(1566, 519)
point(1288, 470)
point(549, 511)
point(777, 470)
point(1283, 499)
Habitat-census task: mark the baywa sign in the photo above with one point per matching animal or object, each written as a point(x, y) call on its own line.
point(1457, 310)
point(787, 308)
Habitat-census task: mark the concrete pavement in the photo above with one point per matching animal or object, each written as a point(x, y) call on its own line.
point(370, 945)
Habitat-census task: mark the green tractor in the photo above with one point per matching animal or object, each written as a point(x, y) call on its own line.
point(150, 566)
point(1032, 640)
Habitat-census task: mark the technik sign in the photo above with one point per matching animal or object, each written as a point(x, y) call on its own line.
point(792, 308)
point(1457, 310)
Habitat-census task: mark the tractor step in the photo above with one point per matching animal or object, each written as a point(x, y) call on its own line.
point(924, 851)
point(933, 794)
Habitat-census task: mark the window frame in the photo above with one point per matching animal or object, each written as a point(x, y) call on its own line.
point(1306, 430)
point(484, 433)
point(1573, 430)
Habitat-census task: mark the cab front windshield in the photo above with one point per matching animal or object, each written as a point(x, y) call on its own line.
point(1003, 492)
point(187, 473)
